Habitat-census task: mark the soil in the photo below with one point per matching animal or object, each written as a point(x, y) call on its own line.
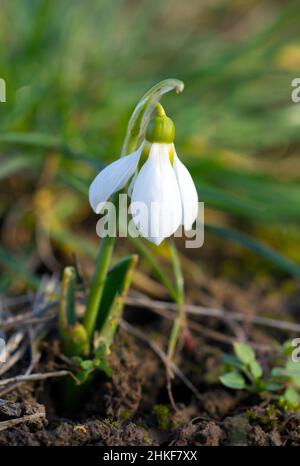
point(133, 407)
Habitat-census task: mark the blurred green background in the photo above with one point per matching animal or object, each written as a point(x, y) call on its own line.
point(74, 71)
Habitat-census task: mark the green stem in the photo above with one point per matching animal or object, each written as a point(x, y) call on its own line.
point(177, 270)
point(180, 320)
point(142, 112)
point(97, 284)
point(150, 259)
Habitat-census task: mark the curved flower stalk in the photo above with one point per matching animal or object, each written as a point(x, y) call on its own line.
point(159, 182)
point(139, 120)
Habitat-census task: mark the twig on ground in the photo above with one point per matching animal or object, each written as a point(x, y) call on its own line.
point(36, 320)
point(212, 312)
point(28, 418)
point(236, 329)
point(218, 336)
point(14, 342)
point(169, 388)
point(38, 317)
point(10, 388)
point(26, 319)
point(34, 354)
point(16, 300)
point(17, 355)
point(36, 377)
point(23, 320)
point(210, 333)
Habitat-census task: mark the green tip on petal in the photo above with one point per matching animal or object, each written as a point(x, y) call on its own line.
point(161, 129)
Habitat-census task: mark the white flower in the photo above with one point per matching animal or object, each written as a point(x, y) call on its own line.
point(163, 194)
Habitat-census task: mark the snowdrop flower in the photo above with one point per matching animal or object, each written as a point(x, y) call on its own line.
point(163, 194)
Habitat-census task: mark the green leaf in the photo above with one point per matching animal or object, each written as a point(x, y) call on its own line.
point(244, 353)
point(151, 260)
point(83, 376)
point(256, 369)
point(265, 251)
point(288, 348)
point(41, 141)
point(115, 284)
point(273, 387)
point(67, 298)
point(9, 166)
point(87, 365)
point(77, 360)
point(292, 370)
point(291, 396)
point(233, 380)
point(232, 361)
point(115, 290)
point(72, 333)
point(103, 366)
point(279, 372)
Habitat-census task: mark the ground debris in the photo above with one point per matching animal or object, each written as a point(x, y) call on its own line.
point(237, 430)
point(9, 409)
point(27, 414)
point(197, 432)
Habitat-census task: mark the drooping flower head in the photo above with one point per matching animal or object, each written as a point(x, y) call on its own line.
point(163, 194)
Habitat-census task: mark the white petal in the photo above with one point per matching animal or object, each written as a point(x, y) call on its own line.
point(157, 189)
point(112, 178)
point(189, 196)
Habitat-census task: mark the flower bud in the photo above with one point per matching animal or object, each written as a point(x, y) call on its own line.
point(161, 129)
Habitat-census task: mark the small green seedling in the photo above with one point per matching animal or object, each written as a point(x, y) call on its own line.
point(162, 413)
point(91, 354)
point(245, 373)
